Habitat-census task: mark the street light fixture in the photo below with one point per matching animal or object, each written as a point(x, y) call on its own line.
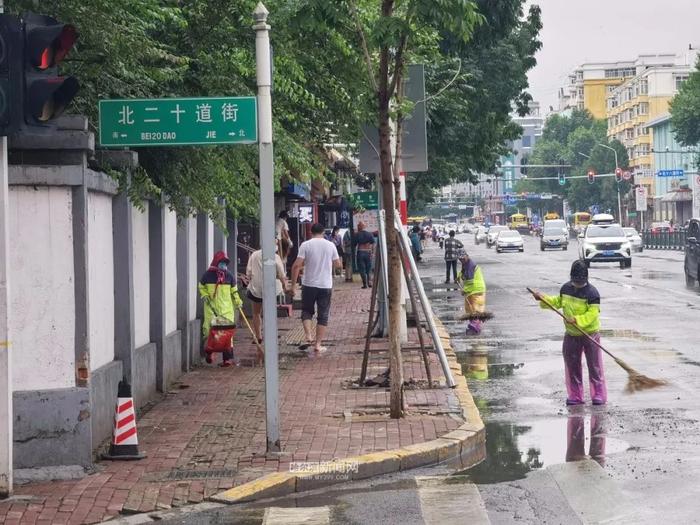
point(617, 167)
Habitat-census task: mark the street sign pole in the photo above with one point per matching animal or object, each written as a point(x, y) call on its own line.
point(5, 360)
point(267, 226)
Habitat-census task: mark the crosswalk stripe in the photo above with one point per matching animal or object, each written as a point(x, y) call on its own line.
point(450, 502)
point(297, 516)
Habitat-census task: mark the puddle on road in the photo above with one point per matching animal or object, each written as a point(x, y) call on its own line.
point(476, 365)
point(514, 450)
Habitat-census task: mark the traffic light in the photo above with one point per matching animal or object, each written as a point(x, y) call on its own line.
point(523, 165)
point(591, 176)
point(10, 74)
point(31, 92)
point(562, 179)
point(618, 174)
point(46, 43)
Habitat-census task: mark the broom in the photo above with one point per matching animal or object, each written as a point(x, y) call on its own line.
point(261, 352)
point(635, 380)
point(477, 316)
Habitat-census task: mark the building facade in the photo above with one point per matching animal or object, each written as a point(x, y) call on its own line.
point(522, 147)
point(675, 198)
point(590, 85)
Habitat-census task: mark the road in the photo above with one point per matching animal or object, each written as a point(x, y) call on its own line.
point(633, 461)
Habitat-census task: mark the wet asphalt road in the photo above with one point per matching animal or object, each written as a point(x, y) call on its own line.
point(635, 460)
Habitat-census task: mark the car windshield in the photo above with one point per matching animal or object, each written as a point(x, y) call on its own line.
point(496, 229)
point(630, 231)
point(605, 231)
point(554, 231)
point(508, 235)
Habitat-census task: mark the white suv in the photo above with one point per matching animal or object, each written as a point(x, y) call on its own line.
point(605, 243)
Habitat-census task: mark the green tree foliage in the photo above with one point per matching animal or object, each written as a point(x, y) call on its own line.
point(575, 140)
point(470, 121)
point(157, 48)
point(685, 111)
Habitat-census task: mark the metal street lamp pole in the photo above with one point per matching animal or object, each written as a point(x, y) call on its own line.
point(619, 200)
point(267, 226)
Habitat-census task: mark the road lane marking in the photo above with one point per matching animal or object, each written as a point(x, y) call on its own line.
point(297, 516)
point(456, 502)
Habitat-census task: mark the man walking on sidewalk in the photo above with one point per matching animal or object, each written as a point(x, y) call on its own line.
point(452, 246)
point(365, 244)
point(317, 257)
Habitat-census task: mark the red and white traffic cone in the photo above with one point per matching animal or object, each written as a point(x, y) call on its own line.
point(125, 443)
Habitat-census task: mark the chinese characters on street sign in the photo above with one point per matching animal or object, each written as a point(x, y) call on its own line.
point(178, 121)
point(670, 173)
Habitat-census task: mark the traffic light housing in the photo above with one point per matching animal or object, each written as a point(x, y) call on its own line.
point(523, 165)
point(11, 43)
point(32, 93)
point(591, 176)
point(618, 175)
point(562, 179)
point(46, 43)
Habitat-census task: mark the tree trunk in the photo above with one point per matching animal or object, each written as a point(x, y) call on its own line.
point(393, 263)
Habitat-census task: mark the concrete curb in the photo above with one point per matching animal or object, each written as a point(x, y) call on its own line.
point(466, 442)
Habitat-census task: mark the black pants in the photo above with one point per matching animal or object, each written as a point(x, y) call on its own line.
point(453, 265)
point(311, 298)
point(364, 263)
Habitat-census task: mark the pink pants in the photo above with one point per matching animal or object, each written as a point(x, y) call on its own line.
point(576, 439)
point(573, 347)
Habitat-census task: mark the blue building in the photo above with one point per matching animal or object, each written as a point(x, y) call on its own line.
point(674, 196)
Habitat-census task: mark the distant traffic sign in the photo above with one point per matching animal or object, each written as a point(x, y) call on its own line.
point(627, 175)
point(670, 173)
point(178, 121)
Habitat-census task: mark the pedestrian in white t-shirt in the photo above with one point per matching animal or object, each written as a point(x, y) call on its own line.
point(317, 257)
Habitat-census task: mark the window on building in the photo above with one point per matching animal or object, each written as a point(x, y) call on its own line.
point(644, 149)
point(643, 108)
point(629, 133)
point(644, 86)
point(527, 141)
point(679, 80)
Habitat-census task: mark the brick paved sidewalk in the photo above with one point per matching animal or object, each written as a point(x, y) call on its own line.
point(208, 432)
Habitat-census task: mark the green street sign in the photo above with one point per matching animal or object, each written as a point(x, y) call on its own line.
point(632, 214)
point(178, 121)
point(368, 200)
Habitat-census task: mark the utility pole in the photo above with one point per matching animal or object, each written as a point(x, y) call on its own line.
point(267, 225)
point(617, 166)
point(5, 359)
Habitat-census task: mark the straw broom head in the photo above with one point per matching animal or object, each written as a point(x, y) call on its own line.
point(636, 381)
point(477, 316)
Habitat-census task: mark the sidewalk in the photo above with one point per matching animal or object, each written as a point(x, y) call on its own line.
point(208, 433)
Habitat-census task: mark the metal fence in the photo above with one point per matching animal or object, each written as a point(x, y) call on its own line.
point(674, 240)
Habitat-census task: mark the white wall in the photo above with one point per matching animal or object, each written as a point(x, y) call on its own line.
point(100, 279)
point(170, 269)
point(42, 294)
point(142, 309)
point(193, 277)
point(210, 236)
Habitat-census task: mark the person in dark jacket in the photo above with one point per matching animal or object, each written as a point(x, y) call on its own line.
point(364, 241)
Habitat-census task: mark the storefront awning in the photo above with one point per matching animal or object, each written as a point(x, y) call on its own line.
point(678, 196)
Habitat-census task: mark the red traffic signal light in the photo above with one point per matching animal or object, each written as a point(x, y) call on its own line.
point(591, 176)
point(618, 174)
point(46, 43)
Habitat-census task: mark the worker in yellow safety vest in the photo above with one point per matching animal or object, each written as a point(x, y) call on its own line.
point(473, 289)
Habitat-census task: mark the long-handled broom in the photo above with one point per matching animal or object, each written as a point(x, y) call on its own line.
point(635, 380)
point(261, 352)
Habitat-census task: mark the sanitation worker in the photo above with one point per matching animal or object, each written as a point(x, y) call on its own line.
point(580, 303)
point(218, 290)
point(473, 289)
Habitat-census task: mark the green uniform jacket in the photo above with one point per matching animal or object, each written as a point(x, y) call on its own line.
point(220, 294)
point(583, 304)
point(471, 278)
